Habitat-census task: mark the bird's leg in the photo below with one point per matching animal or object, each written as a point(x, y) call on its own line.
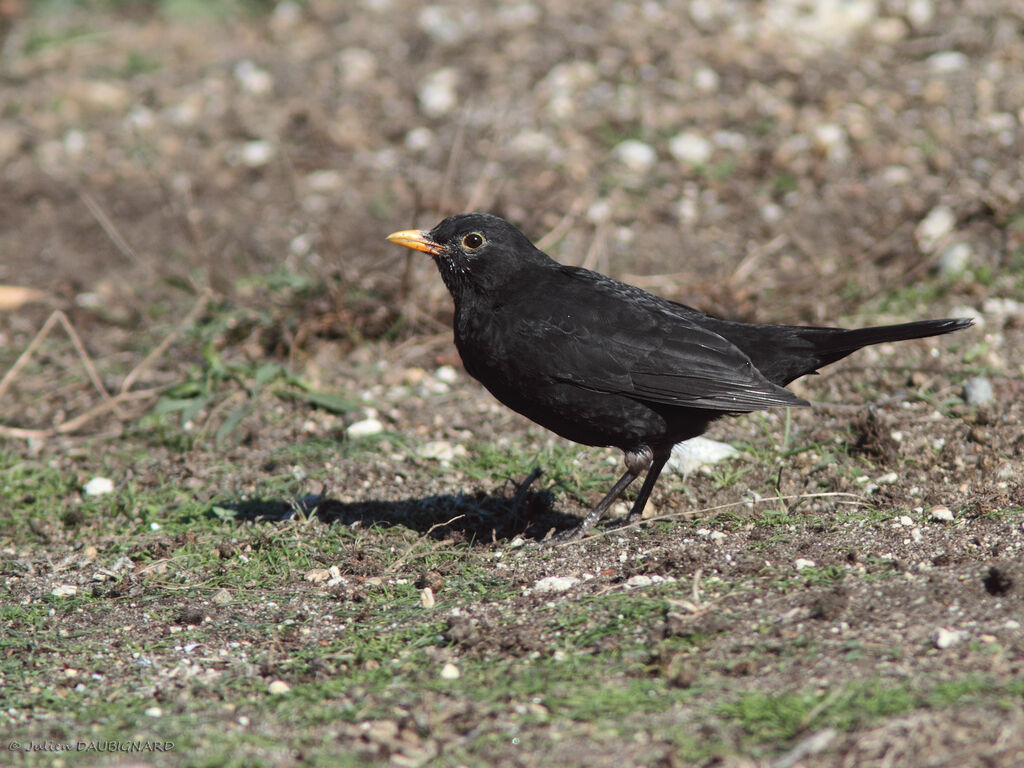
point(636, 462)
point(656, 465)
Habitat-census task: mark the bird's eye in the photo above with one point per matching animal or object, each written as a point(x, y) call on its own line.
point(472, 241)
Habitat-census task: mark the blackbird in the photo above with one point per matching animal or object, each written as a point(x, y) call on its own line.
point(604, 363)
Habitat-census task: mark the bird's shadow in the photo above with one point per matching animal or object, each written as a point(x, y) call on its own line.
point(472, 516)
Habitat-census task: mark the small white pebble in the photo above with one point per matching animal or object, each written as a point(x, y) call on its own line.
point(947, 61)
point(98, 486)
point(946, 638)
point(941, 513)
point(154, 712)
point(427, 599)
point(450, 672)
point(802, 562)
point(555, 584)
point(364, 428)
point(64, 590)
point(278, 687)
point(939, 223)
point(253, 79)
point(447, 374)
point(690, 148)
point(256, 154)
point(635, 155)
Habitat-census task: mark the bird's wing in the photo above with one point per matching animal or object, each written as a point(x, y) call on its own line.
point(686, 366)
point(606, 336)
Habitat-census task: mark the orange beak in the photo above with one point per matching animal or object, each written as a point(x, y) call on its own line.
point(418, 240)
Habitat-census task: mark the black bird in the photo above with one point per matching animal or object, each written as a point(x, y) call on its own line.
point(603, 363)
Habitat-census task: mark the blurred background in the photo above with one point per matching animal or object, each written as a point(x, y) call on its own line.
point(789, 161)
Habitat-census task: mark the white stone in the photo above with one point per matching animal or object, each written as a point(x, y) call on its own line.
point(419, 139)
point(441, 450)
point(802, 562)
point(447, 374)
point(98, 486)
point(256, 154)
point(154, 711)
point(934, 227)
point(941, 513)
point(947, 61)
point(920, 13)
point(253, 79)
point(64, 590)
point(887, 479)
point(690, 148)
point(831, 139)
point(947, 638)
point(437, 94)
point(356, 66)
point(635, 155)
point(555, 584)
point(978, 391)
point(364, 428)
point(690, 455)
point(954, 259)
point(278, 687)
point(706, 80)
point(450, 672)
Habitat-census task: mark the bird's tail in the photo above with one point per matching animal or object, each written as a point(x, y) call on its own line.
point(832, 344)
point(786, 352)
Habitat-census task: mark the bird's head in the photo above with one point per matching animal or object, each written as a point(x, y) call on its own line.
point(474, 251)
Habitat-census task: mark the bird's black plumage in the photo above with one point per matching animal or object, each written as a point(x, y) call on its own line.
point(604, 363)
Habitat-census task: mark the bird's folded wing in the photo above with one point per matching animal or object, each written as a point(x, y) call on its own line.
point(687, 366)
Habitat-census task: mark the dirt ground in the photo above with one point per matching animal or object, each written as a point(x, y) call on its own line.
point(205, 199)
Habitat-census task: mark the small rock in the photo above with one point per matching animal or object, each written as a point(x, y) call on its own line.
point(920, 13)
point(635, 155)
point(326, 180)
point(690, 455)
point(364, 428)
point(447, 374)
point(887, 479)
point(98, 486)
point(252, 79)
point(427, 599)
point(357, 66)
point(221, 597)
point(830, 138)
point(317, 575)
point(154, 712)
point(64, 590)
point(941, 514)
point(978, 391)
point(802, 562)
point(690, 148)
point(256, 154)
point(419, 139)
point(555, 584)
point(938, 224)
point(437, 94)
point(947, 61)
point(906, 521)
point(450, 672)
point(706, 80)
point(278, 687)
point(955, 259)
point(639, 580)
point(947, 638)
point(442, 450)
